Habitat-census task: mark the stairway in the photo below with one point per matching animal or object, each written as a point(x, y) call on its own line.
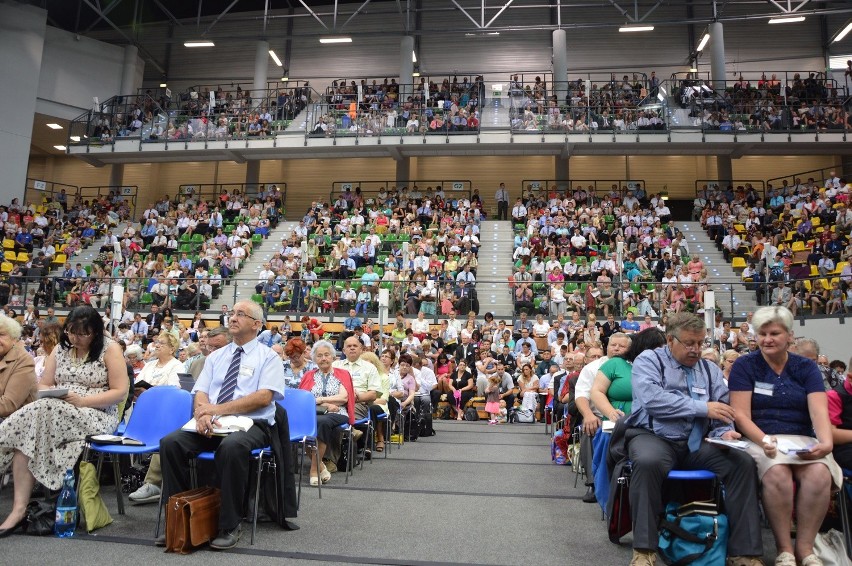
point(494, 114)
point(495, 268)
point(86, 255)
point(246, 278)
point(722, 276)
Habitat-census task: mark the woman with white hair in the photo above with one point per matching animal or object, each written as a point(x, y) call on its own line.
point(135, 356)
point(163, 369)
point(781, 407)
point(17, 375)
point(335, 399)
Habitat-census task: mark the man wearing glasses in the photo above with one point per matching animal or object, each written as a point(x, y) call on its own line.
point(241, 378)
point(678, 400)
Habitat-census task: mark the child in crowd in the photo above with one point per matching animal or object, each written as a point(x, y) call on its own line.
point(492, 399)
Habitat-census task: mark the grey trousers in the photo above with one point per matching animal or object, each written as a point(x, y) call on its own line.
point(586, 458)
point(653, 457)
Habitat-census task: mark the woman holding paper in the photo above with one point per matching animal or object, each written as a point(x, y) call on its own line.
point(781, 407)
point(45, 438)
point(17, 375)
point(335, 398)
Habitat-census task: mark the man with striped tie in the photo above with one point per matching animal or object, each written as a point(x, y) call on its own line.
point(243, 378)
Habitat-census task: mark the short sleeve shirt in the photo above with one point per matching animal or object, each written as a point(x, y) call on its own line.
point(779, 403)
point(620, 392)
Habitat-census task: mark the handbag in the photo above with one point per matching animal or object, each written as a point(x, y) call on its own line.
point(470, 414)
point(192, 519)
point(831, 548)
point(692, 536)
point(40, 518)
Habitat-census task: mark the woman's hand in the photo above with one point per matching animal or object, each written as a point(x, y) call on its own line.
point(615, 415)
point(74, 399)
point(771, 448)
point(817, 451)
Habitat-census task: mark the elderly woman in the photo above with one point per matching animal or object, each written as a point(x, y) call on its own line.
point(404, 387)
point(135, 356)
point(295, 363)
point(17, 376)
point(335, 399)
point(781, 407)
point(45, 438)
point(164, 368)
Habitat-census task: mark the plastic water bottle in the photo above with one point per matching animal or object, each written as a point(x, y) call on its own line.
point(66, 508)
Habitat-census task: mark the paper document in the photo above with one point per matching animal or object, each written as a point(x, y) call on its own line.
point(224, 425)
point(57, 392)
point(738, 444)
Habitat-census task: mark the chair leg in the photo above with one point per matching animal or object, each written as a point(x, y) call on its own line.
point(369, 443)
point(349, 436)
point(116, 470)
point(257, 495)
point(844, 517)
point(304, 447)
point(319, 463)
point(388, 442)
point(159, 515)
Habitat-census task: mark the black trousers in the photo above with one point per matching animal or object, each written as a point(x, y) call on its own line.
point(502, 210)
point(232, 465)
point(653, 457)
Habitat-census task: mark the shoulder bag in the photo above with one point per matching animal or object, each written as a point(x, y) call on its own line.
point(192, 519)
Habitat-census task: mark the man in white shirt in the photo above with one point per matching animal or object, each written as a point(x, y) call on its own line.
point(730, 244)
point(832, 181)
point(502, 198)
point(427, 382)
point(365, 378)
point(519, 212)
point(263, 277)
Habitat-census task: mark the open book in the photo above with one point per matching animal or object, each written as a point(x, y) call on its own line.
point(114, 439)
point(224, 425)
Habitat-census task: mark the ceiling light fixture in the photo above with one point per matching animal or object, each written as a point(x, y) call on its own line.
point(693, 70)
point(843, 33)
point(413, 57)
point(60, 147)
point(54, 126)
point(163, 85)
point(787, 20)
point(336, 39)
point(626, 29)
point(75, 138)
point(415, 74)
point(704, 41)
point(199, 43)
point(275, 58)
point(285, 79)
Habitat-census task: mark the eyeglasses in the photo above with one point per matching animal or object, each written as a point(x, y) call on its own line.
point(241, 314)
point(693, 346)
point(80, 334)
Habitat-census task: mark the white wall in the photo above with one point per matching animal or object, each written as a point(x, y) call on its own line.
point(74, 69)
point(21, 42)
point(834, 340)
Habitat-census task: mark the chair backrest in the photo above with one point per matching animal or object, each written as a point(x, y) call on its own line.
point(159, 411)
point(301, 413)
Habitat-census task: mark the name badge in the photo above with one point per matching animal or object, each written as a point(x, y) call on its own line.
point(763, 388)
point(246, 371)
point(699, 390)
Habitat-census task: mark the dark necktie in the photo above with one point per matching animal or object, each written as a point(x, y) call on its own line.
point(230, 383)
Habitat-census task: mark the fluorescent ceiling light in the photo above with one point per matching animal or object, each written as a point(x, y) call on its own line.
point(338, 39)
point(843, 33)
point(75, 138)
point(275, 58)
point(787, 20)
point(493, 33)
point(285, 79)
point(693, 70)
point(163, 85)
point(54, 126)
point(704, 41)
point(60, 147)
point(413, 57)
point(199, 43)
point(415, 74)
point(635, 28)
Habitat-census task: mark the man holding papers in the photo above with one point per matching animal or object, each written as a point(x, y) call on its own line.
point(243, 378)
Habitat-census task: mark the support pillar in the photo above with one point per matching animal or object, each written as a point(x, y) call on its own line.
point(403, 171)
point(253, 178)
point(406, 67)
point(717, 56)
point(261, 69)
point(129, 84)
point(724, 171)
point(561, 170)
point(116, 175)
point(560, 65)
point(846, 166)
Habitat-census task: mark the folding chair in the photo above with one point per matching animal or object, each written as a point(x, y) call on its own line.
point(302, 417)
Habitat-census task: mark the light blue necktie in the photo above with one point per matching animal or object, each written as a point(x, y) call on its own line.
point(697, 432)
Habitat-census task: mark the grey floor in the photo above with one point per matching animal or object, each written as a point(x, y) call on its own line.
point(472, 494)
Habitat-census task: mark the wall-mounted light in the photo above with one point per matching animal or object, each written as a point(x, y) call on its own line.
point(275, 58)
point(703, 43)
point(60, 147)
point(787, 20)
point(54, 126)
point(199, 43)
point(843, 33)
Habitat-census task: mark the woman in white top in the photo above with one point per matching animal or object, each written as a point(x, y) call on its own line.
point(163, 368)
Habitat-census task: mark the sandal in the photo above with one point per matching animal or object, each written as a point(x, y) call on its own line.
point(380, 446)
point(785, 559)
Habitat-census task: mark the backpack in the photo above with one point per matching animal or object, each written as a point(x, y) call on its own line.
point(470, 414)
point(524, 416)
point(559, 452)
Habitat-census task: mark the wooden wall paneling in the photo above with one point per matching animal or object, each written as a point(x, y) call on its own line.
point(674, 173)
point(761, 167)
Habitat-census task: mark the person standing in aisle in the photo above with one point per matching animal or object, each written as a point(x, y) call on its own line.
point(502, 198)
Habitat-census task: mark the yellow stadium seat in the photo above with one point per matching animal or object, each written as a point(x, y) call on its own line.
point(8, 244)
point(740, 228)
point(814, 271)
point(815, 221)
point(738, 263)
point(798, 246)
point(59, 259)
point(23, 257)
point(840, 267)
point(6, 267)
point(808, 284)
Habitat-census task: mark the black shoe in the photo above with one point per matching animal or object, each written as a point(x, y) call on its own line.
point(19, 525)
point(590, 495)
point(227, 539)
point(160, 540)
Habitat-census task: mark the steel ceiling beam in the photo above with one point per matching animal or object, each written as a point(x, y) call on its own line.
point(469, 17)
point(129, 39)
point(219, 17)
point(497, 15)
point(790, 9)
point(356, 12)
point(168, 14)
point(102, 14)
point(311, 12)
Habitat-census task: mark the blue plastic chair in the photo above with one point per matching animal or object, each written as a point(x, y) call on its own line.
point(387, 424)
point(157, 412)
point(302, 418)
point(368, 443)
point(843, 505)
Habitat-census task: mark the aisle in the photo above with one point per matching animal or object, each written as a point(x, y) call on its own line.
point(472, 494)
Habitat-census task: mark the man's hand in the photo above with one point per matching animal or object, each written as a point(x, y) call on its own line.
point(591, 425)
point(204, 425)
point(731, 435)
point(204, 409)
point(720, 412)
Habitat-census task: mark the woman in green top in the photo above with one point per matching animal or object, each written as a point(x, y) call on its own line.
point(612, 391)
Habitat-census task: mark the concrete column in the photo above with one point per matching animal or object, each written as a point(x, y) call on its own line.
point(116, 175)
point(128, 71)
point(22, 30)
point(846, 166)
point(406, 67)
point(561, 170)
point(252, 177)
point(560, 65)
point(717, 56)
point(403, 170)
point(261, 70)
point(724, 170)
